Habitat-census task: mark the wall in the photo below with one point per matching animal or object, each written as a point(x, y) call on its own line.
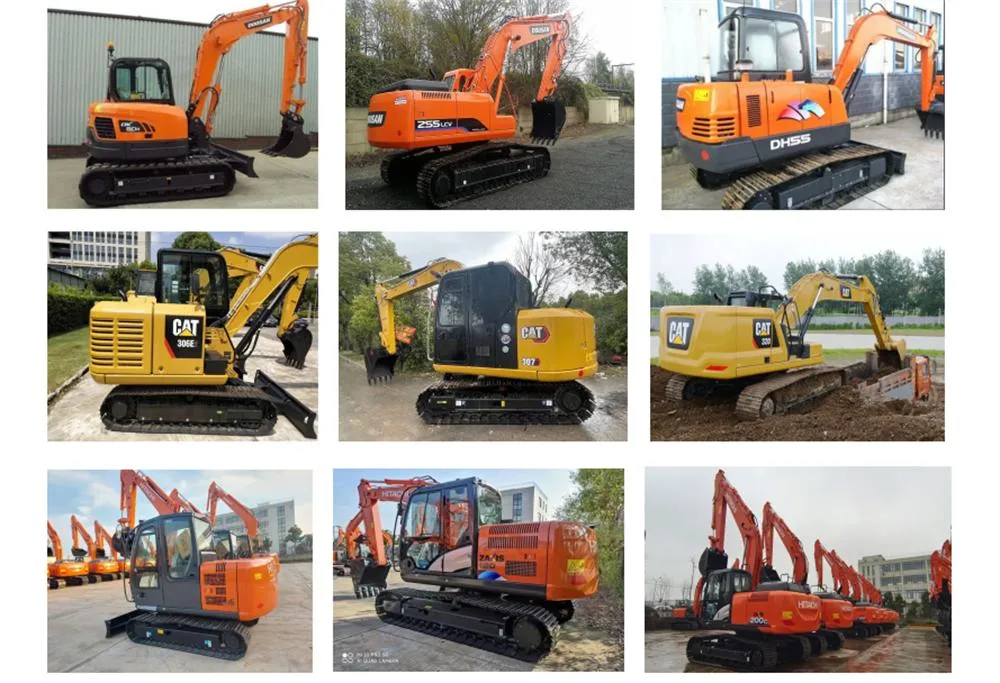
point(251, 81)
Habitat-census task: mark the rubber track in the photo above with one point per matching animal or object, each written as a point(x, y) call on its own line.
point(482, 389)
point(675, 387)
point(749, 402)
point(185, 167)
point(211, 396)
point(501, 646)
point(179, 623)
point(743, 189)
point(770, 650)
point(425, 191)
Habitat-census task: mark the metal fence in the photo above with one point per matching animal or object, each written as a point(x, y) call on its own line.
point(251, 80)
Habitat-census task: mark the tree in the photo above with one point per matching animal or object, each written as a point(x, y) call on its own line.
point(753, 278)
point(267, 544)
point(610, 313)
point(599, 257)
point(599, 69)
point(294, 535)
point(196, 240)
point(930, 283)
point(599, 500)
point(539, 264)
point(457, 29)
point(663, 285)
point(364, 259)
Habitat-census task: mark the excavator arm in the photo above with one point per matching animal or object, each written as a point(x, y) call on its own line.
point(380, 362)
point(182, 503)
point(796, 312)
point(224, 32)
point(240, 265)
point(727, 498)
point(940, 592)
point(81, 531)
point(770, 521)
point(215, 494)
point(820, 554)
point(102, 537)
point(55, 541)
point(133, 481)
point(850, 579)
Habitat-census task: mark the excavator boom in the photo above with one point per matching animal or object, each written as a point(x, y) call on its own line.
point(771, 521)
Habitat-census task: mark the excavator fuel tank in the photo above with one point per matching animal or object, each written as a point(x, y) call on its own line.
point(727, 127)
point(433, 116)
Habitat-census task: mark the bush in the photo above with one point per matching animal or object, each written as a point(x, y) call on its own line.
point(367, 75)
point(69, 309)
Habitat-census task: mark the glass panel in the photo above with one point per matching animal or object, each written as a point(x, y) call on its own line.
point(899, 56)
point(787, 6)
point(180, 558)
point(456, 517)
point(145, 553)
point(760, 45)
point(176, 282)
point(450, 312)
point(490, 506)
point(824, 45)
point(789, 46)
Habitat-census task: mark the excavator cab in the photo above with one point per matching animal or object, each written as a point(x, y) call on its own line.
point(763, 44)
point(191, 276)
point(717, 594)
point(139, 79)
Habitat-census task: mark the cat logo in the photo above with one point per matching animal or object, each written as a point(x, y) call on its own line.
point(763, 334)
point(536, 333)
point(184, 336)
point(679, 333)
point(845, 292)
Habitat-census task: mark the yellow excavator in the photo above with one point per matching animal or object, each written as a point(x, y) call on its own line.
point(755, 343)
point(242, 268)
point(503, 360)
point(175, 356)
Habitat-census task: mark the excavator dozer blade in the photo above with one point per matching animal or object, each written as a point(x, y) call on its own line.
point(380, 366)
point(242, 163)
point(116, 625)
point(369, 579)
point(547, 120)
point(297, 341)
point(297, 412)
point(932, 121)
point(292, 140)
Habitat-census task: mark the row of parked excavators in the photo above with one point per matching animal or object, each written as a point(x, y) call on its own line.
point(759, 621)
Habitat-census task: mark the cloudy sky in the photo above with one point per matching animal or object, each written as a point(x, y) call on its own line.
point(610, 28)
point(555, 484)
point(198, 11)
point(95, 494)
point(257, 242)
point(892, 512)
point(677, 256)
point(468, 248)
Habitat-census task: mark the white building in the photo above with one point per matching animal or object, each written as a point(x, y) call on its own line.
point(524, 503)
point(906, 576)
point(86, 253)
point(273, 522)
point(691, 48)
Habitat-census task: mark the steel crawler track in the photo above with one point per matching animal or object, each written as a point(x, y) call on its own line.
point(227, 410)
point(775, 395)
point(748, 190)
point(495, 391)
point(163, 630)
point(108, 184)
point(503, 645)
point(733, 652)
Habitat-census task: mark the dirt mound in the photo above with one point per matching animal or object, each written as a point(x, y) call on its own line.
point(840, 416)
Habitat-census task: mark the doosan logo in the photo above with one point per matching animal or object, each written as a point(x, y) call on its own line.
point(376, 118)
point(538, 30)
point(790, 141)
point(263, 21)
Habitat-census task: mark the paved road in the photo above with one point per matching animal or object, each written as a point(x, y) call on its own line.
point(74, 415)
point(593, 171)
point(909, 650)
point(282, 641)
point(386, 412)
point(284, 183)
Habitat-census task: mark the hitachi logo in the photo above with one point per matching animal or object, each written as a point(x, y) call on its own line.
point(790, 141)
point(263, 21)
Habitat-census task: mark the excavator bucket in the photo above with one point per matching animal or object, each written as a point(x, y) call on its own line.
point(292, 141)
point(932, 121)
point(547, 120)
point(369, 579)
point(380, 366)
point(297, 341)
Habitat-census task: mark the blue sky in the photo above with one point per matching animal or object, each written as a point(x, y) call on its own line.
point(95, 494)
point(257, 242)
point(555, 484)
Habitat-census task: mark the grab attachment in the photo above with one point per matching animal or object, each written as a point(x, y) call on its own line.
point(296, 343)
point(547, 120)
point(292, 140)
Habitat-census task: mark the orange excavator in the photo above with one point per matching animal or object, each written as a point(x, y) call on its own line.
point(63, 572)
point(246, 543)
point(940, 593)
point(501, 586)
point(143, 147)
point(780, 137)
point(769, 622)
point(838, 612)
point(99, 567)
point(186, 597)
point(867, 619)
point(825, 638)
point(102, 538)
point(888, 619)
point(448, 130)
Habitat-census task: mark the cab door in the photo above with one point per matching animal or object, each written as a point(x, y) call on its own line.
point(451, 339)
point(147, 559)
point(181, 571)
point(437, 535)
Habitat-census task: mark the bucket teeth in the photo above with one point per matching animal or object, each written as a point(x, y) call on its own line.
point(547, 120)
point(292, 140)
point(296, 343)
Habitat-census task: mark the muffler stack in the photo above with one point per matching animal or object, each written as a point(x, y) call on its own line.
point(296, 343)
point(292, 140)
point(547, 120)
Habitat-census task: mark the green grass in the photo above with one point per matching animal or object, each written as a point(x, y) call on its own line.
point(67, 354)
point(860, 353)
point(899, 330)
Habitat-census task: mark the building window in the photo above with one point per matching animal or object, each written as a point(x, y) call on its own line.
point(899, 58)
point(936, 22)
point(823, 21)
point(787, 6)
point(852, 10)
point(914, 564)
point(921, 16)
point(517, 506)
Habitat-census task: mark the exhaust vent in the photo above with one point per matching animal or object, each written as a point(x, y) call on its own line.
point(753, 111)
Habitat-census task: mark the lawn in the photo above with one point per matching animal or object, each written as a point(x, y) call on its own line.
point(67, 354)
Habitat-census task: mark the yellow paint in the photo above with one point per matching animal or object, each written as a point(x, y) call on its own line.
point(574, 566)
point(701, 94)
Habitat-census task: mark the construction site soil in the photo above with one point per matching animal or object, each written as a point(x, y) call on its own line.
point(843, 415)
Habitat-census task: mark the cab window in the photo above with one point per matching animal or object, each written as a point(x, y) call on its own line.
point(142, 83)
point(177, 272)
point(146, 558)
point(490, 506)
point(180, 547)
